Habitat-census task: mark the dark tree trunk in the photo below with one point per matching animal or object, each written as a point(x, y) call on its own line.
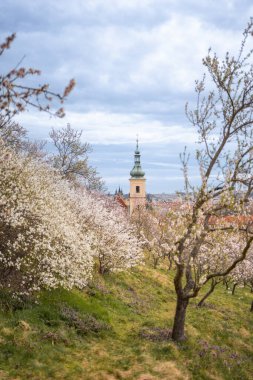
point(227, 284)
point(251, 308)
point(100, 268)
point(179, 319)
point(233, 290)
point(210, 291)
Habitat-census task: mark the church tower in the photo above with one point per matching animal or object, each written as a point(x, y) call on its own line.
point(137, 182)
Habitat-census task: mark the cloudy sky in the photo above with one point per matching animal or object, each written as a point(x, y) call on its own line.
point(135, 63)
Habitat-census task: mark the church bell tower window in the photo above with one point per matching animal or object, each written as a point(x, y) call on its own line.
point(137, 189)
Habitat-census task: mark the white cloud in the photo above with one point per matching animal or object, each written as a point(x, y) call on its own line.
point(111, 128)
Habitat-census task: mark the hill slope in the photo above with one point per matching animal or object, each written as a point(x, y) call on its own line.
point(119, 328)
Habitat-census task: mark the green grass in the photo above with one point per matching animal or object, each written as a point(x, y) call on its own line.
point(37, 342)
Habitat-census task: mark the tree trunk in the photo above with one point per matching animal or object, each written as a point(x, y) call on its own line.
point(155, 262)
point(210, 291)
point(170, 264)
point(251, 308)
point(179, 319)
point(233, 290)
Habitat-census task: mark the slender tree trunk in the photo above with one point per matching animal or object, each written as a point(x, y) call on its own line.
point(100, 267)
point(155, 262)
point(210, 291)
point(227, 283)
point(179, 319)
point(251, 308)
point(170, 264)
point(233, 290)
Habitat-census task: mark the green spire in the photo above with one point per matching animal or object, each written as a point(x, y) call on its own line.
point(137, 171)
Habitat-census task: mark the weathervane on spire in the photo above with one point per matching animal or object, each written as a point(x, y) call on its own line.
point(137, 141)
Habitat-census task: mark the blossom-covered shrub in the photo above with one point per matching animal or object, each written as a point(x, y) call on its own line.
point(41, 241)
point(50, 233)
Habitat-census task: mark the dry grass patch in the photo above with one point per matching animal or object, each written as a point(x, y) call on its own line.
point(169, 371)
point(146, 376)
point(244, 332)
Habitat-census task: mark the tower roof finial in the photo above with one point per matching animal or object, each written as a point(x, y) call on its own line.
point(137, 171)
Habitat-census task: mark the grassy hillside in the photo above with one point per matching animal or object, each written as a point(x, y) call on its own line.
point(119, 328)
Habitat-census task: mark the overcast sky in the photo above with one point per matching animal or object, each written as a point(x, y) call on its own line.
point(135, 63)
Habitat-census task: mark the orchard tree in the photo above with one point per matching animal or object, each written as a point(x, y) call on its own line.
point(13, 134)
point(242, 275)
point(223, 118)
point(219, 251)
point(115, 245)
point(15, 137)
point(149, 228)
point(71, 158)
point(156, 228)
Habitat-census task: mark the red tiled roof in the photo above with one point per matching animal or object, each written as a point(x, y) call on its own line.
point(231, 219)
point(121, 201)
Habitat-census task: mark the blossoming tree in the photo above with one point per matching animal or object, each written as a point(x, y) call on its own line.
point(71, 158)
point(223, 118)
point(114, 243)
